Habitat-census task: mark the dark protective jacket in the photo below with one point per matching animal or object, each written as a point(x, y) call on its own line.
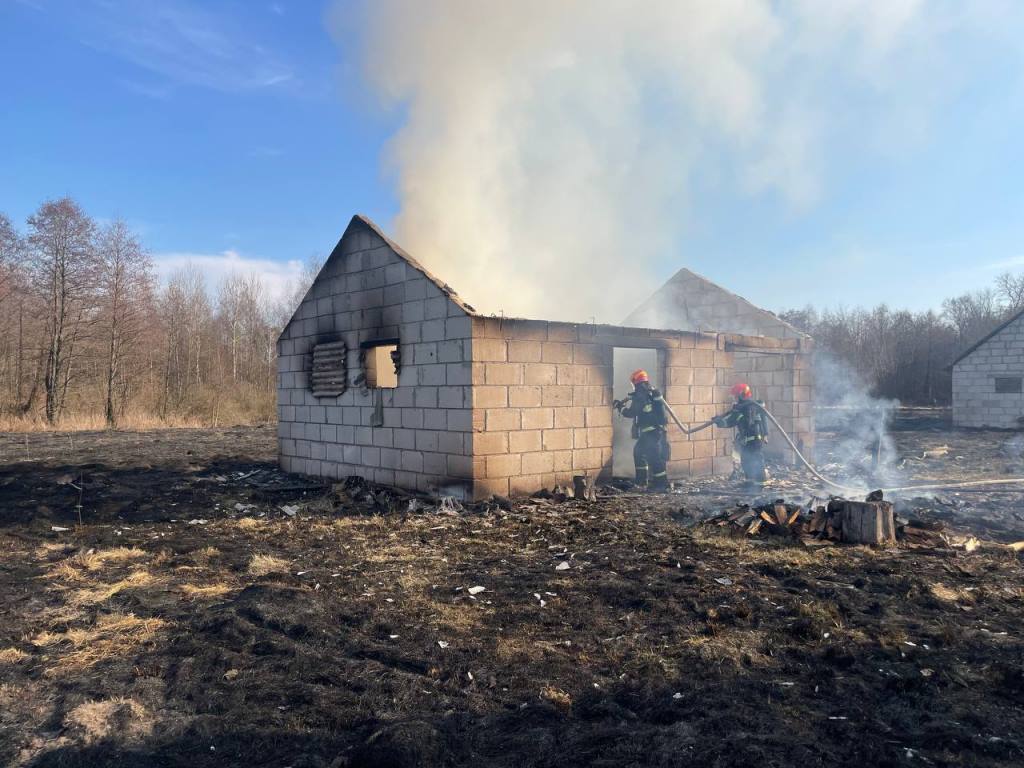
point(647, 409)
point(748, 419)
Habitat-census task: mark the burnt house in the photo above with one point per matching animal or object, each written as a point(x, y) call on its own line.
point(385, 373)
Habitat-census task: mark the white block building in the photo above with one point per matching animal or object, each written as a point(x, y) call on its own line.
point(988, 380)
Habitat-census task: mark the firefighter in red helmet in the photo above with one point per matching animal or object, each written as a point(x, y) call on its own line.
point(651, 451)
point(747, 417)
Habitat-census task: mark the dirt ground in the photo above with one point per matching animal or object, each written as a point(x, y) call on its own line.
point(210, 610)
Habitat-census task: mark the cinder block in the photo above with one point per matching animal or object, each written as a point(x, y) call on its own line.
point(538, 418)
point(412, 461)
point(490, 397)
point(432, 330)
point(458, 328)
point(460, 419)
point(556, 397)
point(435, 463)
point(415, 288)
point(451, 397)
point(486, 443)
point(431, 375)
point(543, 374)
point(573, 375)
point(556, 352)
point(435, 418)
point(563, 461)
point(412, 418)
point(557, 439)
point(426, 440)
point(459, 374)
point(570, 417)
point(450, 442)
point(437, 308)
point(702, 395)
point(538, 463)
point(391, 458)
point(581, 438)
point(587, 458)
point(503, 419)
point(383, 437)
point(591, 354)
point(524, 442)
point(598, 416)
point(524, 351)
point(563, 332)
point(451, 351)
point(524, 396)
point(507, 374)
point(460, 466)
point(490, 350)
point(504, 465)
point(369, 457)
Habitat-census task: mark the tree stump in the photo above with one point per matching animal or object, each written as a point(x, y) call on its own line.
point(867, 522)
point(583, 488)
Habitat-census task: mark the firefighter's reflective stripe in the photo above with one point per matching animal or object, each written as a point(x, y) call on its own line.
point(648, 429)
point(660, 474)
point(648, 408)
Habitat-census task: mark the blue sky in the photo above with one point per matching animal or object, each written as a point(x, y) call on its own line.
point(240, 133)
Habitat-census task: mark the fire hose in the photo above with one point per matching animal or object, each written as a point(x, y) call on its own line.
point(848, 489)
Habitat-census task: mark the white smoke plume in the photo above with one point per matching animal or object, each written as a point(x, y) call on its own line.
point(548, 151)
point(861, 449)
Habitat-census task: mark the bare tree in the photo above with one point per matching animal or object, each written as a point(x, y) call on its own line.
point(973, 314)
point(10, 252)
point(1010, 288)
point(62, 262)
point(125, 290)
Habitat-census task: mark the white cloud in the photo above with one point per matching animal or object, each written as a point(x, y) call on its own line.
point(278, 277)
point(180, 40)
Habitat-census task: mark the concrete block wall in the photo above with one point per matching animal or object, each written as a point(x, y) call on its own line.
point(542, 395)
point(975, 401)
point(691, 302)
point(367, 291)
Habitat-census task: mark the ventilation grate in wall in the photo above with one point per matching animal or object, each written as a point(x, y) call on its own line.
point(327, 378)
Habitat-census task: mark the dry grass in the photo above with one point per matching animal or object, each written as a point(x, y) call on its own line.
point(249, 523)
point(97, 720)
point(92, 422)
point(556, 696)
point(80, 567)
point(96, 560)
point(213, 590)
point(205, 555)
point(95, 595)
point(261, 565)
point(112, 636)
point(948, 595)
point(12, 655)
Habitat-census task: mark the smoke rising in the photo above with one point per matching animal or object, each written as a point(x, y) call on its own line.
point(548, 151)
point(863, 451)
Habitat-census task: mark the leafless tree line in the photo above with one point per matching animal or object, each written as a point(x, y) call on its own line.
point(87, 334)
point(906, 355)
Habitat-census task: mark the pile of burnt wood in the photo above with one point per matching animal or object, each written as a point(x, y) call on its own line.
point(872, 521)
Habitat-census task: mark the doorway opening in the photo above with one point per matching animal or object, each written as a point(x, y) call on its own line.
point(625, 360)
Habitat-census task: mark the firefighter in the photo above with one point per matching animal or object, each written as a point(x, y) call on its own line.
point(647, 410)
point(748, 419)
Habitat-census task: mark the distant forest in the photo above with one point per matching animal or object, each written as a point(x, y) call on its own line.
point(906, 355)
point(89, 338)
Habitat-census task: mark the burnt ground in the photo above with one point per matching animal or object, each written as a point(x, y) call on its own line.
point(192, 622)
